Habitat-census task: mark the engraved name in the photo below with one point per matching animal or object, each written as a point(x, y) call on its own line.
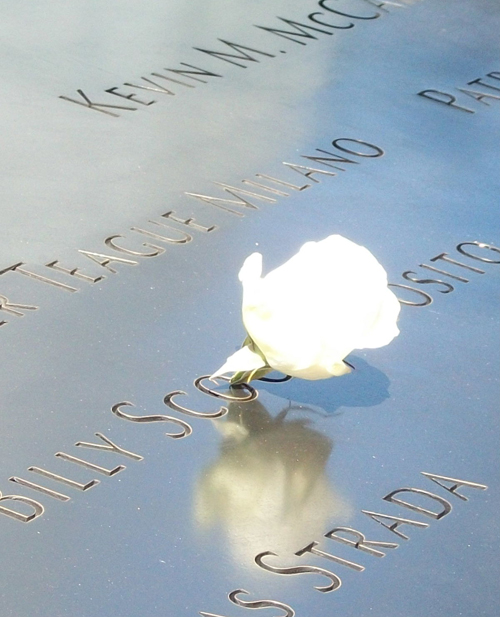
point(486, 89)
point(142, 92)
point(171, 230)
point(26, 509)
point(461, 271)
point(420, 501)
point(417, 500)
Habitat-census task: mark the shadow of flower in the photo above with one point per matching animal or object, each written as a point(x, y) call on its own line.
point(365, 386)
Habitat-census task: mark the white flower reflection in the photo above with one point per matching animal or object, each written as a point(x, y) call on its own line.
point(268, 489)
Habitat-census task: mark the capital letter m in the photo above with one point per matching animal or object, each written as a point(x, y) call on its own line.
point(220, 55)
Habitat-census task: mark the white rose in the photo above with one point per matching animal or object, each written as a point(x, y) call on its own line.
point(306, 316)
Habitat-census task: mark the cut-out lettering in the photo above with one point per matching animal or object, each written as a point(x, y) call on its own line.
point(444, 98)
point(331, 158)
point(252, 392)
point(294, 187)
point(37, 277)
point(110, 242)
point(109, 447)
point(427, 299)
point(14, 308)
point(444, 257)
point(479, 81)
point(311, 548)
point(481, 245)
point(191, 74)
point(191, 412)
point(309, 172)
point(233, 597)
point(67, 481)
point(335, 581)
point(235, 191)
point(269, 189)
point(186, 428)
point(397, 522)
point(105, 260)
point(322, 4)
point(312, 17)
point(88, 465)
point(255, 604)
point(41, 489)
point(447, 287)
point(190, 222)
point(184, 237)
point(375, 150)
point(299, 32)
point(479, 96)
point(446, 505)
point(233, 58)
point(360, 542)
point(36, 506)
point(153, 86)
point(73, 272)
point(102, 107)
point(239, 200)
point(439, 271)
point(443, 481)
point(129, 97)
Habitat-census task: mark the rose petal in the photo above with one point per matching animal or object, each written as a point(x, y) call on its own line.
point(327, 300)
point(243, 360)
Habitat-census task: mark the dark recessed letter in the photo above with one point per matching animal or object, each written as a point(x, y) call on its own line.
point(454, 484)
point(311, 548)
point(427, 299)
point(322, 4)
point(110, 447)
point(19, 516)
point(186, 428)
point(480, 245)
point(446, 505)
point(289, 612)
point(73, 272)
point(104, 260)
point(335, 580)
point(15, 309)
point(360, 542)
point(112, 245)
point(447, 287)
point(444, 98)
point(312, 17)
point(190, 412)
point(376, 151)
point(397, 522)
point(252, 392)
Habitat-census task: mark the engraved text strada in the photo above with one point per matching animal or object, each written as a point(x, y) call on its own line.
point(357, 539)
point(418, 501)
